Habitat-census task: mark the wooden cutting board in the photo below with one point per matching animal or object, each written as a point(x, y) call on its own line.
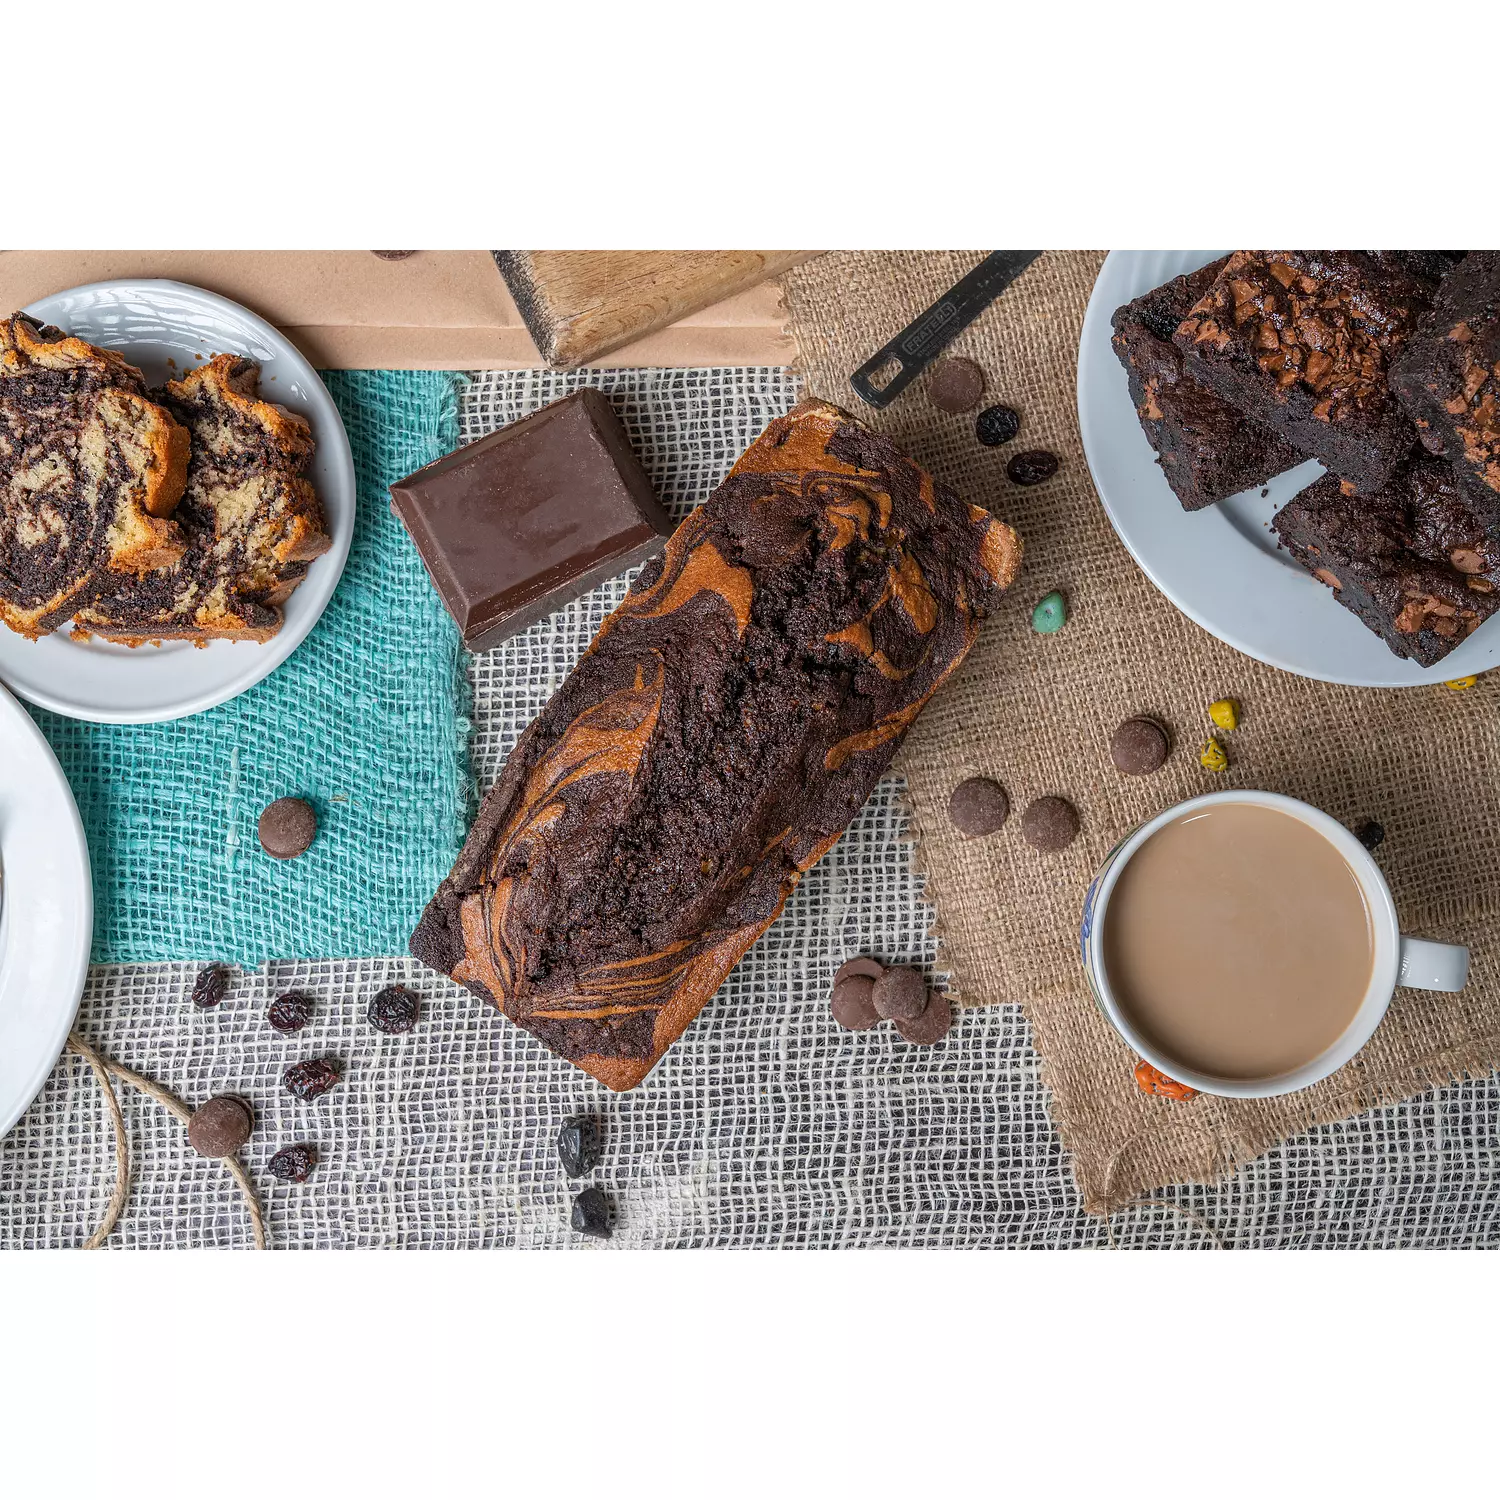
point(579, 304)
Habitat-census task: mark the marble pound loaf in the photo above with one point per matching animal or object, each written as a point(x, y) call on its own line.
point(726, 723)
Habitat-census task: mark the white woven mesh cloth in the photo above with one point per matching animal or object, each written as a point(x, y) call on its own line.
point(765, 1125)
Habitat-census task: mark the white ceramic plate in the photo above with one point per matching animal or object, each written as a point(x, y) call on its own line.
point(150, 322)
point(1221, 566)
point(46, 910)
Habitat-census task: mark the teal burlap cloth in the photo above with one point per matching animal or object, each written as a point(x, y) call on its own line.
point(367, 720)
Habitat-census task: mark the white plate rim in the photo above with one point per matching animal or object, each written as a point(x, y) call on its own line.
point(255, 662)
point(1324, 642)
point(43, 1043)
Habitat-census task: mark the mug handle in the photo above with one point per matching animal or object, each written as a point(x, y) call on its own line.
point(1432, 966)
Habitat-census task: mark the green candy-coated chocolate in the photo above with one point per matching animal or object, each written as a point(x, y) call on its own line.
point(1050, 615)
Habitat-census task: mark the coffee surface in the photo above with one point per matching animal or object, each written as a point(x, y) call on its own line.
point(1238, 941)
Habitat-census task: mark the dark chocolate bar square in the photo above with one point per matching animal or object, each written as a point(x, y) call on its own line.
point(525, 520)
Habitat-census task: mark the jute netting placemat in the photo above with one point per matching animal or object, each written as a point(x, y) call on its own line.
point(1036, 713)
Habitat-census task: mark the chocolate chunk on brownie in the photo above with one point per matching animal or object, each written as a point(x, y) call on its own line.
point(90, 470)
point(728, 720)
point(1426, 265)
point(1302, 341)
point(1207, 450)
point(251, 519)
point(1448, 377)
point(1413, 561)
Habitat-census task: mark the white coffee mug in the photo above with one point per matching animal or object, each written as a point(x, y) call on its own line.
point(1399, 960)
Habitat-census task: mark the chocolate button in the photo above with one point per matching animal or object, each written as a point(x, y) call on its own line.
point(900, 994)
point(1139, 747)
point(865, 968)
point(931, 1026)
point(287, 828)
point(393, 254)
point(220, 1126)
point(955, 385)
point(978, 806)
point(854, 1003)
point(1050, 824)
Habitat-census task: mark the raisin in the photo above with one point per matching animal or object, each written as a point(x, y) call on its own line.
point(1033, 467)
point(293, 1163)
point(1371, 834)
point(578, 1145)
point(309, 1079)
point(210, 987)
point(393, 1010)
point(996, 425)
point(591, 1214)
point(290, 1012)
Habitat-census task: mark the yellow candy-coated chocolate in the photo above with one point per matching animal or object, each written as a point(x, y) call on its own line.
point(1212, 757)
point(1225, 713)
point(1460, 683)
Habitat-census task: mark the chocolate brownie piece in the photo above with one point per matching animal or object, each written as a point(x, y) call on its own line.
point(1448, 377)
point(728, 720)
point(1301, 341)
point(90, 471)
point(1426, 265)
point(1206, 449)
point(1413, 561)
point(252, 521)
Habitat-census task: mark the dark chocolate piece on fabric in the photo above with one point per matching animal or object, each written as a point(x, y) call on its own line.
point(955, 385)
point(728, 720)
point(978, 806)
point(1139, 746)
point(1371, 834)
point(1207, 449)
point(1413, 560)
point(578, 1145)
point(900, 992)
point(287, 828)
point(294, 1163)
point(853, 1003)
point(1302, 342)
point(1033, 467)
point(525, 520)
point(220, 1126)
point(590, 1214)
point(997, 425)
point(862, 967)
point(935, 1022)
point(1050, 824)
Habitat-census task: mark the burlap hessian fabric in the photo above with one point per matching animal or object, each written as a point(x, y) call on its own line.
point(1036, 713)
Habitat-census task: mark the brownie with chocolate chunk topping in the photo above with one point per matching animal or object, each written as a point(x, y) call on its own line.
point(1448, 377)
point(1413, 561)
point(1302, 342)
point(1206, 449)
point(726, 723)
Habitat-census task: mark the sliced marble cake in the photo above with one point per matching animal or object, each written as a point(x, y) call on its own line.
point(251, 519)
point(90, 473)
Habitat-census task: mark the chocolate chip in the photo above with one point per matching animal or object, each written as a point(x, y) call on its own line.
point(1033, 467)
point(591, 1214)
point(578, 1145)
point(931, 1026)
point(210, 987)
point(900, 992)
point(1050, 823)
point(978, 806)
point(867, 968)
point(996, 425)
point(220, 1126)
point(1371, 834)
point(1139, 747)
point(287, 828)
point(307, 1080)
point(290, 1012)
point(853, 1003)
point(955, 384)
point(393, 1010)
point(294, 1163)
point(393, 254)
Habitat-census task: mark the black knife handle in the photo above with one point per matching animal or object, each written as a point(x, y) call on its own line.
point(914, 347)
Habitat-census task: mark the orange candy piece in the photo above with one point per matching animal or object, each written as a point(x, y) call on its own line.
point(1151, 1080)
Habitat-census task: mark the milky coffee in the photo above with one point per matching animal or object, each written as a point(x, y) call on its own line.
point(1238, 941)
